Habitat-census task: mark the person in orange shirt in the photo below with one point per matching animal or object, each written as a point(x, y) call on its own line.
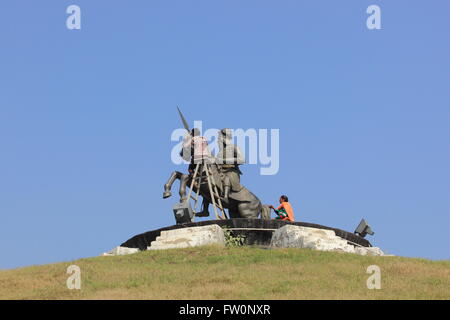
point(284, 211)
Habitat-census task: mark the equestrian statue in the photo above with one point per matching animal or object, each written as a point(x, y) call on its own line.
point(224, 173)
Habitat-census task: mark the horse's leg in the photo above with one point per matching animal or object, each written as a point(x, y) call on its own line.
point(226, 188)
point(250, 209)
point(184, 178)
point(205, 210)
point(233, 210)
point(265, 212)
point(168, 186)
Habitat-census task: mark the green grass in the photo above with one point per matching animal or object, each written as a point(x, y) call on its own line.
point(232, 273)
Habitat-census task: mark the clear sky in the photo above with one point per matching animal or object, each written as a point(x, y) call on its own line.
point(86, 115)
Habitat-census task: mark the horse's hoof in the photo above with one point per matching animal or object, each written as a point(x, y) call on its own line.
point(167, 194)
point(202, 214)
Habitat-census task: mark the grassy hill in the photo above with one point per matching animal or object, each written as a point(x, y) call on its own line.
point(232, 273)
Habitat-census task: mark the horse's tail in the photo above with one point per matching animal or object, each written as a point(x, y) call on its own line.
point(265, 212)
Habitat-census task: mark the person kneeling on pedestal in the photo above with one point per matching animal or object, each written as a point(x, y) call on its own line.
point(284, 211)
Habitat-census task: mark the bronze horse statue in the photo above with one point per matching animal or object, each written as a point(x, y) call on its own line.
point(242, 204)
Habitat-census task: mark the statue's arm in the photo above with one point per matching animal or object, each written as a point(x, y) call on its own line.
point(240, 158)
point(186, 150)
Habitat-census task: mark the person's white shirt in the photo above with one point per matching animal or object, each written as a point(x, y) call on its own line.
point(200, 147)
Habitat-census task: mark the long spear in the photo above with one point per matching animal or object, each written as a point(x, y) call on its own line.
point(183, 119)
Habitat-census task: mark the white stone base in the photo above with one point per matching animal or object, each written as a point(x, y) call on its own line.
point(369, 251)
point(189, 237)
point(120, 251)
point(291, 236)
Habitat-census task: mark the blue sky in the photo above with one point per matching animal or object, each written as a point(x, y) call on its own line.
point(86, 115)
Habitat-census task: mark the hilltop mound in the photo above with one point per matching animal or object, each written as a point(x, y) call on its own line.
point(232, 273)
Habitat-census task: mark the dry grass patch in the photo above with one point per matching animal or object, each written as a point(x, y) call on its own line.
point(232, 273)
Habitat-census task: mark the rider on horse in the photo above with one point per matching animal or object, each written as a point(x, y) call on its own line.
point(229, 158)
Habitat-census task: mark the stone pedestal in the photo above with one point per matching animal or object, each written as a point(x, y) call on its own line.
point(119, 251)
point(291, 236)
point(189, 237)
